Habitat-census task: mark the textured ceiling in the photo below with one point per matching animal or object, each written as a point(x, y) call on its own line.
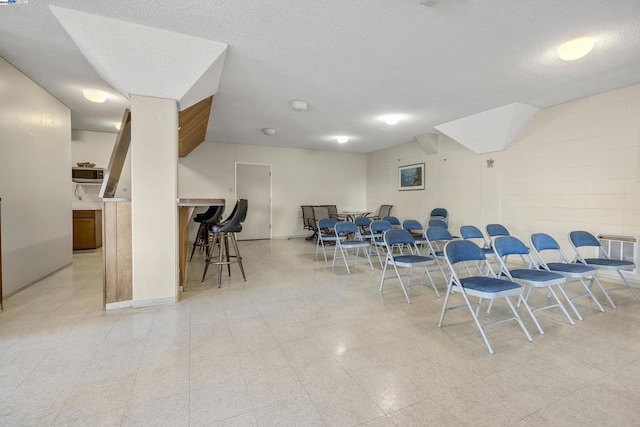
point(353, 61)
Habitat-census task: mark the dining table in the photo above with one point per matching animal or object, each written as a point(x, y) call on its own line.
point(352, 215)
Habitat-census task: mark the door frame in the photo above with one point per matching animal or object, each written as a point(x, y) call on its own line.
point(235, 185)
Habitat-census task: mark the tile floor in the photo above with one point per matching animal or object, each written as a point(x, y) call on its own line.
point(300, 344)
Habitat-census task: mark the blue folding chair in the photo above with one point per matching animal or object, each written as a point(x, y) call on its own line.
point(480, 286)
point(529, 277)
point(395, 222)
point(495, 230)
point(402, 241)
point(473, 233)
point(440, 213)
point(378, 229)
point(415, 228)
point(436, 238)
point(364, 224)
point(581, 239)
point(343, 230)
point(326, 234)
point(437, 223)
point(544, 242)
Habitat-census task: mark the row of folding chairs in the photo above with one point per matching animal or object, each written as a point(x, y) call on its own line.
point(465, 267)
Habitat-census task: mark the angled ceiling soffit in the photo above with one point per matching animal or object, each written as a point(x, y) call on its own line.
point(140, 60)
point(491, 130)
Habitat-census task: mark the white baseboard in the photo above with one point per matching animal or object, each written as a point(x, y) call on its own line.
point(140, 304)
point(152, 302)
point(119, 304)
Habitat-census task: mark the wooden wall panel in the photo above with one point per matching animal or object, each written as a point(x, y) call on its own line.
point(118, 282)
point(192, 124)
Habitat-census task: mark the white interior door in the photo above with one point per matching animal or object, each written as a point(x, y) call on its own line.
point(253, 182)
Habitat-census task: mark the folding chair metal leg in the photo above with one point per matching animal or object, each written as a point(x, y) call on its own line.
point(624, 279)
point(593, 297)
point(606, 295)
point(444, 306)
point(402, 284)
point(564, 310)
point(433, 285)
point(569, 300)
point(478, 324)
point(519, 319)
point(533, 316)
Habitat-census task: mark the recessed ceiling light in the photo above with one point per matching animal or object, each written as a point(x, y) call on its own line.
point(117, 125)
point(269, 131)
point(391, 120)
point(342, 139)
point(576, 48)
point(95, 95)
point(299, 105)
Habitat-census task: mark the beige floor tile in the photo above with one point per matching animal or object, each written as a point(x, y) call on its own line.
point(299, 343)
point(274, 387)
point(297, 412)
point(218, 402)
point(345, 405)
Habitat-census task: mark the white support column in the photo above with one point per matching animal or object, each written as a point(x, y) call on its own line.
point(154, 189)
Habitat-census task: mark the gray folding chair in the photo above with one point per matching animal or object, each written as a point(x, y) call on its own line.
point(529, 277)
point(402, 241)
point(344, 243)
point(479, 286)
point(581, 239)
point(326, 234)
point(544, 242)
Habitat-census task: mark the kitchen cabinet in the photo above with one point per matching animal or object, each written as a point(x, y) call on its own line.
point(87, 229)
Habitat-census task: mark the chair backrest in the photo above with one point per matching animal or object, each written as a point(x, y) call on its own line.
point(437, 234)
point(509, 245)
point(380, 226)
point(236, 219)
point(543, 241)
point(216, 216)
point(320, 212)
point(333, 211)
point(583, 238)
point(398, 237)
point(471, 232)
point(463, 250)
point(362, 221)
point(307, 216)
point(391, 220)
point(345, 227)
point(326, 223)
point(438, 223)
point(494, 230)
point(385, 210)
point(233, 211)
point(211, 211)
point(411, 225)
point(439, 213)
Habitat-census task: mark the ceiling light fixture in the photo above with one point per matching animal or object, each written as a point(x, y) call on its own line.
point(95, 95)
point(299, 105)
point(269, 131)
point(392, 120)
point(342, 139)
point(576, 48)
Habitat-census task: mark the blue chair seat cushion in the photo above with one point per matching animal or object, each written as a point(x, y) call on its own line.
point(609, 262)
point(569, 268)
point(411, 259)
point(534, 275)
point(487, 284)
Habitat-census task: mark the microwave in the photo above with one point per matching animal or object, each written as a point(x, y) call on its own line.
point(87, 175)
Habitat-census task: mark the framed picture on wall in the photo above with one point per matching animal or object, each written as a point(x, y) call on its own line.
point(411, 177)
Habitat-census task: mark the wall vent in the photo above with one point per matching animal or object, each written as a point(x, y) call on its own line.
point(620, 247)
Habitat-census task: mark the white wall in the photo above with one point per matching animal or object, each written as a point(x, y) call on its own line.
point(574, 166)
point(154, 213)
point(96, 147)
point(35, 153)
point(299, 177)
